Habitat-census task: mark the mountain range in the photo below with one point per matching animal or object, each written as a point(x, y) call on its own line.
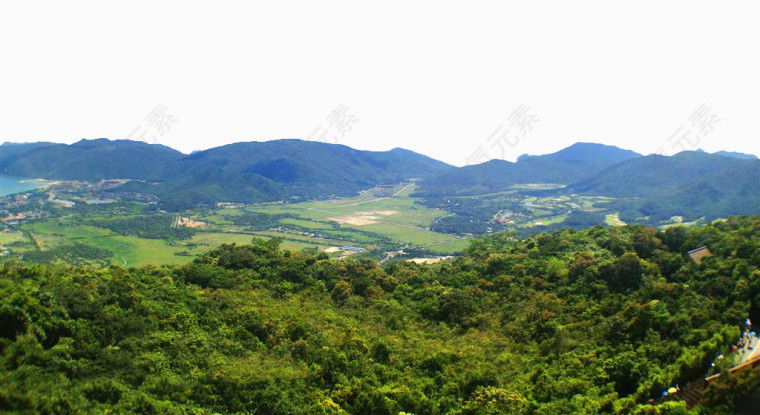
point(691, 183)
point(240, 172)
point(89, 160)
point(569, 165)
point(291, 170)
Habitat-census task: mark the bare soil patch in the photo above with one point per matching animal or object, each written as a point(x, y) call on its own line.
point(363, 218)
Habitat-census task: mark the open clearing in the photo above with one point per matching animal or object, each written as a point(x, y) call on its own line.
point(135, 251)
point(363, 218)
point(680, 222)
point(551, 220)
point(381, 219)
point(614, 220)
point(395, 217)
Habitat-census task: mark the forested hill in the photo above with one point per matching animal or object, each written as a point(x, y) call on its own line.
point(91, 160)
point(737, 155)
point(694, 184)
point(240, 172)
point(287, 170)
point(569, 165)
point(8, 151)
point(594, 321)
point(691, 184)
point(588, 152)
point(658, 175)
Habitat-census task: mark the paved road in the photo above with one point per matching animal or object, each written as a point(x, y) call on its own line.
point(404, 188)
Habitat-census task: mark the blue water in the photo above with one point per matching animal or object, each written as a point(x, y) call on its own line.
point(11, 185)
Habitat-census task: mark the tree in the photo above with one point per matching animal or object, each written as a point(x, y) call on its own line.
point(625, 273)
point(341, 292)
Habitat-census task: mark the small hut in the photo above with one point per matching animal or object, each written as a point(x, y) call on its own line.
point(696, 255)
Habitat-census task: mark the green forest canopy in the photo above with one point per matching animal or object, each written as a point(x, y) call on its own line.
point(592, 321)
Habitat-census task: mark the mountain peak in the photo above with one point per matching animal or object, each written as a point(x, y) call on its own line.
point(105, 142)
point(91, 142)
point(584, 151)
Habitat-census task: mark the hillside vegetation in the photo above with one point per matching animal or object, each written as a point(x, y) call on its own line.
point(647, 189)
point(592, 321)
point(241, 172)
point(574, 163)
point(90, 160)
point(691, 184)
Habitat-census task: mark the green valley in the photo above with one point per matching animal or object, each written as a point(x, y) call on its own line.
point(379, 220)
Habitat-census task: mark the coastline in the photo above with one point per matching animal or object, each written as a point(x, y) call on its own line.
point(42, 181)
point(16, 185)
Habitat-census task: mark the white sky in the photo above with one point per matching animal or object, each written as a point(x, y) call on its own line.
point(435, 77)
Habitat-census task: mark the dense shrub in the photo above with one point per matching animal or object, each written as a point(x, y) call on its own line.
point(594, 321)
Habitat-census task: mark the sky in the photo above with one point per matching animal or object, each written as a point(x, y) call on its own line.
point(462, 82)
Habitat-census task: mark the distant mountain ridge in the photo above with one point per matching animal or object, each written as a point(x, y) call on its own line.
point(699, 183)
point(587, 152)
point(737, 155)
point(10, 151)
point(653, 174)
point(692, 183)
point(239, 172)
point(91, 160)
point(287, 170)
point(565, 166)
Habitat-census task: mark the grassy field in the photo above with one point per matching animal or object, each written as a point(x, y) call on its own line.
point(396, 217)
point(385, 218)
point(210, 240)
point(140, 251)
point(7, 238)
point(546, 221)
point(614, 220)
point(381, 219)
point(16, 241)
point(368, 221)
point(682, 223)
point(538, 186)
point(309, 224)
point(127, 250)
point(135, 251)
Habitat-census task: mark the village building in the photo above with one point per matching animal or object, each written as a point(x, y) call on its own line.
point(696, 255)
